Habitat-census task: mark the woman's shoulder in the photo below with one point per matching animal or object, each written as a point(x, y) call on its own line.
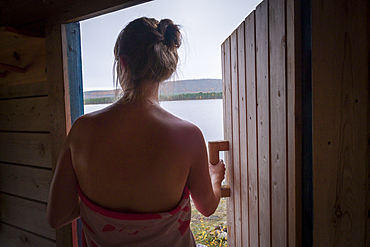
point(91, 119)
point(84, 121)
point(83, 125)
point(180, 126)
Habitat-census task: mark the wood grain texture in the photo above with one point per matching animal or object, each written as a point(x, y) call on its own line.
point(57, 67)
point(15, 237)
point(29, 182)
point(251, 115)
point(340, 96)
point(244, 180)
point(10, 91)
point(57, 75)
point(294, 122)
point(226, 93)
point(277, 51)
point(25, 214)
point(11, 38)
point(235, 133)
point(270, 125)
point(35, 70)
point(24, 52)
point(24, 107)
point(28, 114)
point(26, 148)
point(263, 130)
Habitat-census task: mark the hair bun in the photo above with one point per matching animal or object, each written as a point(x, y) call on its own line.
point(170, 32)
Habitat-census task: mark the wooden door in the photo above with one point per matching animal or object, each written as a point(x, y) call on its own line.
point(262, 102)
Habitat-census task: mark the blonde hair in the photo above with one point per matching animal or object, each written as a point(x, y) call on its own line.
point(148, 50)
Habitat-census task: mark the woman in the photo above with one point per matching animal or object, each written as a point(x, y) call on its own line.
point(127, 170)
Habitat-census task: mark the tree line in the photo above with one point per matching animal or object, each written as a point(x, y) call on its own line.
point(187, 96)
point(105, 100)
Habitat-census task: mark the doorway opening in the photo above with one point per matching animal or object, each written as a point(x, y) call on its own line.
point(200, 57)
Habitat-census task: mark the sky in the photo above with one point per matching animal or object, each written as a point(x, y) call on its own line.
point(205, 25)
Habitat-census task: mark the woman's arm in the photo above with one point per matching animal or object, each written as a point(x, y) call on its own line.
point(204, 179)
point(64, 203)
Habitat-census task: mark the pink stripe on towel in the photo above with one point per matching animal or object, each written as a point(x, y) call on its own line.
point(102, 227)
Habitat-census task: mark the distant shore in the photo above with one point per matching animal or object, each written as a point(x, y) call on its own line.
point(187, 96)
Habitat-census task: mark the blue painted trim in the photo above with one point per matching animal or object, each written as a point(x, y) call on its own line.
point(75, 84)
point(75, 70)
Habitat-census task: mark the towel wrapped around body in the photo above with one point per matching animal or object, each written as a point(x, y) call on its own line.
point(102, 227)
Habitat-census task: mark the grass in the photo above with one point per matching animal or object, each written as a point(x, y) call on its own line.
point(210, 231)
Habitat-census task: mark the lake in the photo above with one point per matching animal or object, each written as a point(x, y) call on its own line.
point(206, 114)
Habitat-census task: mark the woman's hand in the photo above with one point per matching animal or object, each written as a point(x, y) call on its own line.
point(217, 172)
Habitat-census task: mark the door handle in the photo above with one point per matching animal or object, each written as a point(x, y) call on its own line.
point(214, 148)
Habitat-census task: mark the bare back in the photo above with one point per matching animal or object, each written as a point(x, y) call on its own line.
point(134, 157)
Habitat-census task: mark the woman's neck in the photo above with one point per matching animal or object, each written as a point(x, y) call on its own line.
point(150, 95)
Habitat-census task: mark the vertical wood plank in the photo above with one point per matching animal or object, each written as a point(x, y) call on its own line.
point(263, 131)
point(244, 188)
point(56, 67)
point(75, 70)
point(57, 75)
point(75, 92)
point(340, 93)
point(294, 122)
point(226, 93)
point(251, 114)
point(235, 131)
point(269, 110)
point(277, 44)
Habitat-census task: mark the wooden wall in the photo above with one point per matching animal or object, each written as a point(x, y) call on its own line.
point(35, 116)
point(262, 105)
point(25, 142)
point(340, 113)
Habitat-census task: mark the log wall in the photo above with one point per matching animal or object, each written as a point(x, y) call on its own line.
point(37, 108)
point(25, 146)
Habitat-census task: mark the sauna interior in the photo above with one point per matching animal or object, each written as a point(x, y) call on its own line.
point(296, 95)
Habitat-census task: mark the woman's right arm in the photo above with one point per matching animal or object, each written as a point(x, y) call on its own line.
point(204, 179)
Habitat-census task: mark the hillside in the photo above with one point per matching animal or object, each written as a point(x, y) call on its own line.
point(191, 86)
point(99, 94)
point(170, 88)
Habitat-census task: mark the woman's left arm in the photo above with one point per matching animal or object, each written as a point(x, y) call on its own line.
point(64, 202)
